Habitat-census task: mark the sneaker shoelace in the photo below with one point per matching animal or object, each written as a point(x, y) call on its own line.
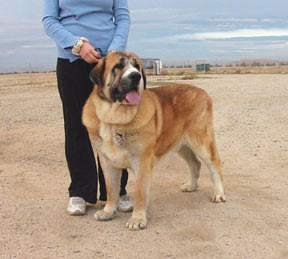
point(125, 198)
point(77, 201)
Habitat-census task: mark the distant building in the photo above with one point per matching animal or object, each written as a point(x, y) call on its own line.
point(152, 66)
point(203, 67)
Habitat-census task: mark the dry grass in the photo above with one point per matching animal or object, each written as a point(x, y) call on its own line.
point(229, 70)
point(21, 80)
point(189, 77)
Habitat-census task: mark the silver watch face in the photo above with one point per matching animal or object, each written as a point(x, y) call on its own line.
point(76, 48)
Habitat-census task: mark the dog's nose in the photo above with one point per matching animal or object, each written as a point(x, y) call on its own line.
point(135, 77)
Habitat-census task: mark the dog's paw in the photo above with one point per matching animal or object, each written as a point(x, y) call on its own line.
point(218, 197)
point(187, 187)
point(136, 223)
point(103, 215)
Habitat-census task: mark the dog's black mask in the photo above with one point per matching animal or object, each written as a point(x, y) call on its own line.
point(125, 85)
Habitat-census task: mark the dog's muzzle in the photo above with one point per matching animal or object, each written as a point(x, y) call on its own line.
point(130, 82)
point(128, 89)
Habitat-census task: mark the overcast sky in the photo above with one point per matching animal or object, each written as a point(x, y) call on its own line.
point(175, 31)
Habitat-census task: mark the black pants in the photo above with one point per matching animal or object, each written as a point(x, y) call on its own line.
point(74, 87)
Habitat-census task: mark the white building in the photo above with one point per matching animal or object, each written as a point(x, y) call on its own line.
point(152, 65)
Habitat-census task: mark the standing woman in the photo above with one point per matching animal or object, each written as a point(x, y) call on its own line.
point(81, 29)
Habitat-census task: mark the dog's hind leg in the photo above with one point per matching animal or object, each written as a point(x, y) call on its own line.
point(194, 166)
point(203, 145)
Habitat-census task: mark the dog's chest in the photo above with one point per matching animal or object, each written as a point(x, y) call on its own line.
point(114, 145)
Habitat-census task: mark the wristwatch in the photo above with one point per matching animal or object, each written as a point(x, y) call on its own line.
point(76, 48)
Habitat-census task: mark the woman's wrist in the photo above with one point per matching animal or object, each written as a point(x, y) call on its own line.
point(77, 47)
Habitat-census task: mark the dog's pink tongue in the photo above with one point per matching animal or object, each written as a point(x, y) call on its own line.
point(133, 98)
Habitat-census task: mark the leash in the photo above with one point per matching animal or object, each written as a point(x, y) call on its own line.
point(100, 52)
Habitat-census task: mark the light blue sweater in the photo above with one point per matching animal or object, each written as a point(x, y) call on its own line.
point(105, 23)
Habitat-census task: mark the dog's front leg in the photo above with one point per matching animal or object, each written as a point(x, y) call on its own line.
point(138, 219)
point(112, 179)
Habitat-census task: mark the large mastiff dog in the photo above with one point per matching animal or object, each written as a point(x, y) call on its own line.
point(132, 127)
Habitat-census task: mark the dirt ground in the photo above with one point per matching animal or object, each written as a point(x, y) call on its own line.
point(251, 129)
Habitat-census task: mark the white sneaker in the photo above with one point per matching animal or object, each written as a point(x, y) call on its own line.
point(76, 206)
point(125, 203)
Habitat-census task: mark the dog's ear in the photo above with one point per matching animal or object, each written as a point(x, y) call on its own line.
point(96, 75)
point(144, 78)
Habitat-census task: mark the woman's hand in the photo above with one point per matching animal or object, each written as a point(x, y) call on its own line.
point(88, 53)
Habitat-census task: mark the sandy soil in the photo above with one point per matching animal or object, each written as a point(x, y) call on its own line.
point(251, 129)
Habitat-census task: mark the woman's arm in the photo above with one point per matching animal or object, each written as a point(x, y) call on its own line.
point(54, 28)
point(122, 21)
point(61, 36)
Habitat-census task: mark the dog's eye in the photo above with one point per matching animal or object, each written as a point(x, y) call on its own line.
point(119, 66)
point(137, 67)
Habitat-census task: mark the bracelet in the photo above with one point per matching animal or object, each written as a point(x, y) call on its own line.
point(76, 48)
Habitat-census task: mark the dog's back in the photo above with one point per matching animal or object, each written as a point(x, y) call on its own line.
point(183, 109)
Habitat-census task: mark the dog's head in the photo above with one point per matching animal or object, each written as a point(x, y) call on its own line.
point(120, 78)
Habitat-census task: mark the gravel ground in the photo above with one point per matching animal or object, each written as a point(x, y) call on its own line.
point(251, 129)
